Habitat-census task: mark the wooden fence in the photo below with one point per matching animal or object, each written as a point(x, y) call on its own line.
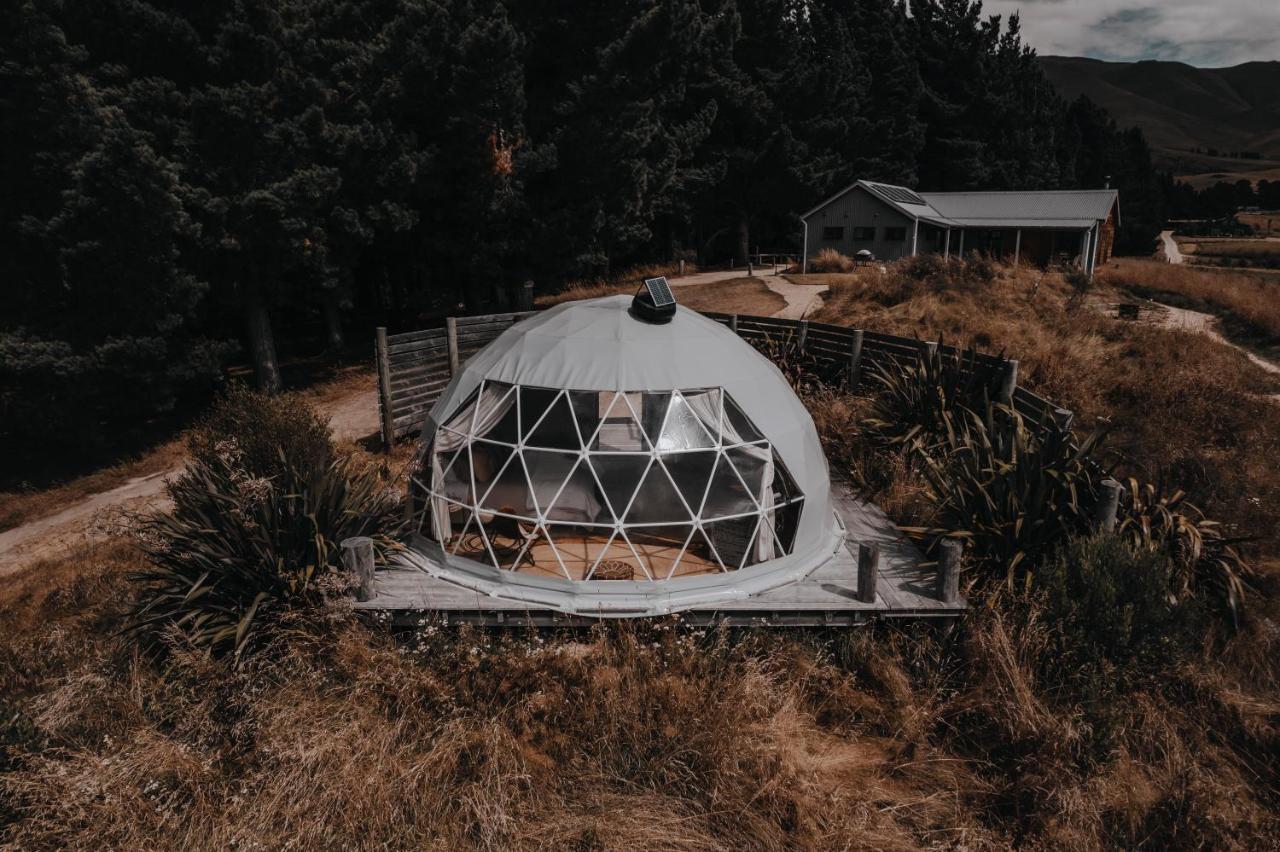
point(415, 367)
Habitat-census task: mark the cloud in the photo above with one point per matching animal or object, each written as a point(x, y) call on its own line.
point(1207, 33)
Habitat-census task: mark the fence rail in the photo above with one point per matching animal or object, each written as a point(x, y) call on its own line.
point(415, 367)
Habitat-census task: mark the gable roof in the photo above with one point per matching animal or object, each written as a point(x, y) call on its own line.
point(1066, 208)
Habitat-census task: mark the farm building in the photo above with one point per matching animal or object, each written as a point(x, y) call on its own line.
point(1040, 227)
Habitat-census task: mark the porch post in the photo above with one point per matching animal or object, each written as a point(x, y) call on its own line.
point(961, 251)
point(915, 238)
point(1017, 246)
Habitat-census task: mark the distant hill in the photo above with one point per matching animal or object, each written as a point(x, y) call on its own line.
point(1180, 108)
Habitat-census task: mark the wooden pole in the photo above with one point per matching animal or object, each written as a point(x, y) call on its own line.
point(946, 245)
point(357, 558)
point(1008, 382)
point(451, 329)
point(855, 358)
point(804, 333)
point(1108, 505)
point(868, 571)
point(680, 267)
point(1017, 246)
point(949, 552)
point(384, 387)
point(733, 323)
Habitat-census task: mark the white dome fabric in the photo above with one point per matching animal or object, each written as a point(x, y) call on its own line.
point(597, 346)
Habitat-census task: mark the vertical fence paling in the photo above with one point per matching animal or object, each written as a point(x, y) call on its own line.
point(384, 386)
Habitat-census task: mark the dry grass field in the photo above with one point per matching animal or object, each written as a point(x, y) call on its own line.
point(1248, 297)
point(644, 736)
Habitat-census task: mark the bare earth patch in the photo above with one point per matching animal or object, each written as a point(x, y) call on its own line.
point(735, 296)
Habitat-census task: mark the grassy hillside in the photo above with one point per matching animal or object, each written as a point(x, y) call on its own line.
point(1180, 107)
point(1056, 716)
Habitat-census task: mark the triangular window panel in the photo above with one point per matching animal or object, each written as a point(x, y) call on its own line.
point(579, 499)
point(586, 412)
point(548, 471)
point(653, 413)
point(546, 558)
point(534, 403)
point(657, 501)
point(510, 539)
point(556, 429)
point(619, 478)
point(726, 494)
point(508, 492)
point(684, 428)
point(489, 462)
point(691, 472)
point(737, 429)
point(732, 539)
point(457, 477)
point(786, 520)
point(620, 430)
point(499, 417)
point(751, 462)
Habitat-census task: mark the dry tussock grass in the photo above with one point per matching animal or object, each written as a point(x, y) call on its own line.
point(1176, 403)
point(627, 736)
point(637, 736)
point(1255, 299)
point(624, 283)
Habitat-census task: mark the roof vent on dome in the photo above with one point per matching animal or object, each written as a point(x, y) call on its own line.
point(654, 302)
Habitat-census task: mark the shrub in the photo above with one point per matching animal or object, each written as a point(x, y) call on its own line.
point(909, 400)
point(1111, 601)
point(271, 434)
point(830, 260)
point(249, 538)
point(1011, 493)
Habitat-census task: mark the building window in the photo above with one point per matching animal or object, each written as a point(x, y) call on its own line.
point(864, 234)
point(833, 233)
point(895, 235)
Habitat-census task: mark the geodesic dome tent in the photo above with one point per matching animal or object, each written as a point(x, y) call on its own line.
point(592, 462)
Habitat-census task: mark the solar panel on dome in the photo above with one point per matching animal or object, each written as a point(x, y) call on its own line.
point(659, 291)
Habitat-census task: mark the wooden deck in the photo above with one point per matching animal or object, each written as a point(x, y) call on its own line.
point(404, 595)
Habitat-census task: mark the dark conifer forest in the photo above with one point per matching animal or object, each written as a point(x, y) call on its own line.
point(189, 184)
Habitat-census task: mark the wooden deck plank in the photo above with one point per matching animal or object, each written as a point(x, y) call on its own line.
point(828, 595)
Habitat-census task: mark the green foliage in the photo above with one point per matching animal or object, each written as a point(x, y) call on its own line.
point(1163, 521)
point(271, 434)
point(248, 538)
point(910, 400)
point(1114, 605)
point(1010, 492)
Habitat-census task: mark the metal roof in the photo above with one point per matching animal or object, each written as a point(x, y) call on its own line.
point(1037, 208)
point(1068, 208)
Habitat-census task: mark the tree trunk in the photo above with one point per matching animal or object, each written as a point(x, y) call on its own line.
point(332, 310)
point(744, 240)
point(262, 344)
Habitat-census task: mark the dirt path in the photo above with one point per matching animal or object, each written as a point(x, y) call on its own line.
point(1170, 247)
point(353, 414)
point(1189, 320)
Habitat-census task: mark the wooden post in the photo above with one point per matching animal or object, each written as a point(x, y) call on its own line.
point(804, 333)
point(949, 552)
point(451, 329)
point(748, 268)
point(1065, 417)
point(1108, 505)
point(357, 558)
point(1008, 382)
point(680, 267)
point(526, 296)
point(384, 387)
point(1017, 246)
point(733, 323)
point(855, 358)
point(868, 571)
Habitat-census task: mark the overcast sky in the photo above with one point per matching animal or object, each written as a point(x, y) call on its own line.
point(1208, 33)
